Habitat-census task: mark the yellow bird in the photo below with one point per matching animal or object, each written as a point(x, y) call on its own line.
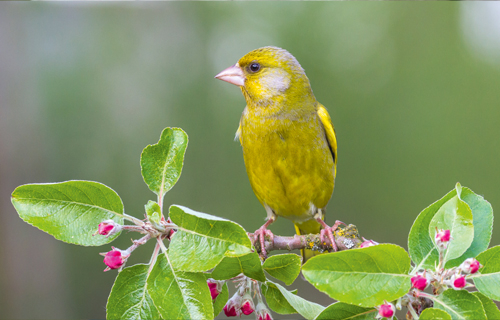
point(288, 141)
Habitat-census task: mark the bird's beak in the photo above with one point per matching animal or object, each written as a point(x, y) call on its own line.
point(233, 75)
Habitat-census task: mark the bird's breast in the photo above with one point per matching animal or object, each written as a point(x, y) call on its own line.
point(288, 162)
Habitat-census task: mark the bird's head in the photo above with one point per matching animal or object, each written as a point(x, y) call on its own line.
point(268, 74)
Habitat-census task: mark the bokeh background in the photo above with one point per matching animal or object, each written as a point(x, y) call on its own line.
point(413, 90)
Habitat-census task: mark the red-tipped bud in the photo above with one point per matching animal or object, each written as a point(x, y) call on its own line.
point(233, 306)
point(247, 306)
point(171, 232)
point(368, 243)
point(265, 316)
point(108, 228)
point(230, 311)
point(442, 238)
point(470, 265)
point(387, 310)
point(262, 312)
point(215, 287)
point(419, 282)
point(457, 282)
point(115, 258)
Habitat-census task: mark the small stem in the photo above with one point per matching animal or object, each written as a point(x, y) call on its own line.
point(414, 271)
point(162, 245)
point(426, 295)
point(153, 257)
point(160, 202)
point(133, 228)
point(133, 219)
point(412, 311)
point(441, 260)
point(257, 285)
point(137, 243)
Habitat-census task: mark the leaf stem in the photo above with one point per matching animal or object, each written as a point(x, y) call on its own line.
point(426, 295)
point(160, 202)
point(162, 245)
point(133, 219)
point(154, 256)
point(412, 311)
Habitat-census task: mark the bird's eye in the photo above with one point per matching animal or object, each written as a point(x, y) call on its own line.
point(254, 67)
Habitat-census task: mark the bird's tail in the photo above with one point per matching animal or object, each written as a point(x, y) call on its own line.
point(308, 227)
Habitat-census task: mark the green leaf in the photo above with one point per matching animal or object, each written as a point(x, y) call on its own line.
point(456, 216)
point(70, 211)
point(489, 306)
point(345, 311)
point(482, 214)
point(420, 245)
point(161, 163)
point(364, 277)
point(284, 267)
point(129, 298)
point(178, 294)
point(202, 240)
point(307, 309)
point(488, 281)
point(275, 299)
point(434, 314)
point(460, 304)
point(153, 212)
point(248, 264)
point(221, 300)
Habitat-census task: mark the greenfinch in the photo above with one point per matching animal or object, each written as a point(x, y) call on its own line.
point(288, 140)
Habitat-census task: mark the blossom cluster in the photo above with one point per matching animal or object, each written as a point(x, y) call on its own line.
point(439, 279)
point(442, 278)
point(241, 302)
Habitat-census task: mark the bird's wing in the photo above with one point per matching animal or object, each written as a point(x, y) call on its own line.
point(237, 136)
point(329, 130)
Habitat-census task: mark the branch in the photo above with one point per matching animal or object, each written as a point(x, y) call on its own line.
point(345, 238)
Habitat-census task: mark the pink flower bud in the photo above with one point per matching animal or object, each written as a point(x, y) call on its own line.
point(247, 307)
point(265, 316)
point(262, 312)
point(230, 311)
point(459, 283)
point(108, 228)
point(470, 265)
point(115, 258)
point(368, 243)
point(233, 306)
point(419, 282)
point(215, 287)
point(456, 281)
point(171, 232)
point(386, 310)
point(442, 238)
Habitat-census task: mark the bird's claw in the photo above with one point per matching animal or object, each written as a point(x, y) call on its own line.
point(327, 233)
point(261, 233)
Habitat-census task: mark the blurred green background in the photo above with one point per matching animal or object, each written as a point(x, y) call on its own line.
point(413, 90)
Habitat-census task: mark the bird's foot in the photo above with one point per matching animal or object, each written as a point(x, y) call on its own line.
point(261, 234)
point(327, 232)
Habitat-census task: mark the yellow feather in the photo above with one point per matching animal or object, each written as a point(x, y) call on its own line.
point(326, 121)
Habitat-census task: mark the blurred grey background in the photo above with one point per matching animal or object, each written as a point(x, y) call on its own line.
point(412, 88)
